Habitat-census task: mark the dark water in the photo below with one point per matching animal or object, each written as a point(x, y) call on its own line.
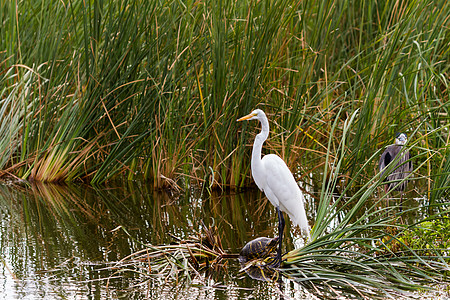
point(57, 242)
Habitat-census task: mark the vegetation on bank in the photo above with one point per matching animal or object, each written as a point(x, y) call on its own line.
point(97, 90)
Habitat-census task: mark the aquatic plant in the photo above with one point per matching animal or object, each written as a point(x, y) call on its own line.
point(150, 90)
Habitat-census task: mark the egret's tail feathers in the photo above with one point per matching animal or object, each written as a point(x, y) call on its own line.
point(300, 219)
point(304, 226)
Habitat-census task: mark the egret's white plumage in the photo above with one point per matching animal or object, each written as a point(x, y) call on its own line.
point(274, 178)
point(280, 190)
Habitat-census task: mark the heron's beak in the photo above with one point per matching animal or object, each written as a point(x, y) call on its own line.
point(246, 117)
point(402, 138)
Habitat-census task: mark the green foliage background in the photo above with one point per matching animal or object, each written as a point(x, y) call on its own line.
point(96, 90)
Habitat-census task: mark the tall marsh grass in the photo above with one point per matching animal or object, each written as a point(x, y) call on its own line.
point(95, 90)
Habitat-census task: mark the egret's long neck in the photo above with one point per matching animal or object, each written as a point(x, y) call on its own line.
point(259, 141)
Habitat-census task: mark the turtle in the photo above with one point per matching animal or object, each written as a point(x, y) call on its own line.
point(260, 247)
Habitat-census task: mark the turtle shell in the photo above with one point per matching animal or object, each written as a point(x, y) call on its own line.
point(258, 248)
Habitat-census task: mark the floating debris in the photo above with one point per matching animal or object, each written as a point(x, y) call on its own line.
point(182, 257)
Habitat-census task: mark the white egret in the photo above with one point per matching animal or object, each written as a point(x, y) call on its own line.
point(273, 177)
point(403, 166)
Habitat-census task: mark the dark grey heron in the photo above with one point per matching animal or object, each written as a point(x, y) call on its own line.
point(403, 166)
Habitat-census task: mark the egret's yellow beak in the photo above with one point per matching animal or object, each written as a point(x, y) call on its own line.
point(246, 117)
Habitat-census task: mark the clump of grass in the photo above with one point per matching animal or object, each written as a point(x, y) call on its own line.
point(428, 237)
point(151, 90)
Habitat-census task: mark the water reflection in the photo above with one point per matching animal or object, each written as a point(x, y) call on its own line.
point(55, 240)
point(50, 232)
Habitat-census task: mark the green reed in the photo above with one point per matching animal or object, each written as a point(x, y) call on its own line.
point(152, 90)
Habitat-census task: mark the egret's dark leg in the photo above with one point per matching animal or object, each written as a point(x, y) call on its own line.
point(277, 260)
point(280, 231)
